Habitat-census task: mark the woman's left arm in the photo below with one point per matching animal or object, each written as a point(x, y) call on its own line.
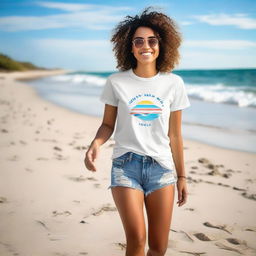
point(176, 144)
point(176, 141)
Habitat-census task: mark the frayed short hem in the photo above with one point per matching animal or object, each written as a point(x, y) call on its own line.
point(147, 193)
point(112, 186)
point(162, 186)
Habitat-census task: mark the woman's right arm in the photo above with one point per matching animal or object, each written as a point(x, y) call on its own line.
point(103, 134)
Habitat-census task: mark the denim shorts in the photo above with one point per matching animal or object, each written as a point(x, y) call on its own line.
point(140, 172)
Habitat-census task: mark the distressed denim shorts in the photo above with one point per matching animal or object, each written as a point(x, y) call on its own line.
point(140, 172)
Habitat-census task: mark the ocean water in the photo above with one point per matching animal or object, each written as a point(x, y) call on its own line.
point(223, 102)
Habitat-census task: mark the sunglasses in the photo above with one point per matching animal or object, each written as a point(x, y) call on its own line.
point(139, 42)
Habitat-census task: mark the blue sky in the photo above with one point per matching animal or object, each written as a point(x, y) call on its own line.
point(75, 34)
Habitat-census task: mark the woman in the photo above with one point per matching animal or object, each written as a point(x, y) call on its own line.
point(147, 100)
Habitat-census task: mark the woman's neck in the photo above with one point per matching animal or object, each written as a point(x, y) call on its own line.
point(145, 71)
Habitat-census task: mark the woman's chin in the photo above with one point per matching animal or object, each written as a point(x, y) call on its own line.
point(147, 61)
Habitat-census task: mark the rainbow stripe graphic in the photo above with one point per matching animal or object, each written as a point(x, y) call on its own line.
point(146, 110)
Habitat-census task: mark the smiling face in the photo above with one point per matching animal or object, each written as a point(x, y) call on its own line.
point(145, 54)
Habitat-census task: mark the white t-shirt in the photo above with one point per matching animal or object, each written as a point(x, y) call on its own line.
point(144, 106)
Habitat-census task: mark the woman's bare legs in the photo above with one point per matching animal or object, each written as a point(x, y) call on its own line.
point(159, 206)
point(129, 203)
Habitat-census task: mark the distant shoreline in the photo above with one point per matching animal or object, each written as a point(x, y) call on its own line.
point(32, 74)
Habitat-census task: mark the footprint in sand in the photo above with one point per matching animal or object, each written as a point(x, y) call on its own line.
point(188, 235)
point(49, 122)
point(122, 246)
point(77, 179)
point(50, 140)
point(3, 200)
point(249, 196)
point(60, 157)
point(84, 222)
point(42, 224)
point(226, 175)
point(80, 178)
point(57, 148)
point(253, 229)
point(202, 237)
point(239, 189)
point(106, 208)
point(203, 160)
point(193, 253)
point(189, 209)
point(223, 185)
point(221, 227)
point(28, 170)
point(250, 180)
point(9, 248)
point(215, 168)
point(42, 158)
point(56, 237)
point(92, 178)
point(23, 142)
point(235, 241)
point(81, 147)
point(226, 247)
point(66, 213)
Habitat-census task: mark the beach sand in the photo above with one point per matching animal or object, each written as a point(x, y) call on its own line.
point(50, 204)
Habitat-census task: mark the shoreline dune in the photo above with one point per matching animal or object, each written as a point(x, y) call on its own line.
point(52, 205)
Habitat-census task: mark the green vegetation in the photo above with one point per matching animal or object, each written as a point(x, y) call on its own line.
point(8, 64)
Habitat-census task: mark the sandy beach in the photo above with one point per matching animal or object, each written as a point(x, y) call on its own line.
point(50, 204)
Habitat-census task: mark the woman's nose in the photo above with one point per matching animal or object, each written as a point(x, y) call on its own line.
point(146, 44)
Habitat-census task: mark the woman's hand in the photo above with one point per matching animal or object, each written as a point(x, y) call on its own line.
point(182, 191)
point(91, 156)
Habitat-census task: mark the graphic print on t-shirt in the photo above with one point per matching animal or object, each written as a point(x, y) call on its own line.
point(145, 108)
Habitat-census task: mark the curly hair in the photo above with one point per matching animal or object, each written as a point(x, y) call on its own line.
point(164, 28)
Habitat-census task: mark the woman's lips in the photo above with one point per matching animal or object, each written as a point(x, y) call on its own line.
point(146, 53)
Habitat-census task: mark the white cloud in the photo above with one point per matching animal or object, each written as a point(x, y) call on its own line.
point(73, 44)
point(64, 6)
point(239, 20)
point(219, 44)
point(79, 7)
point(186, 23)
point(99, 18)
